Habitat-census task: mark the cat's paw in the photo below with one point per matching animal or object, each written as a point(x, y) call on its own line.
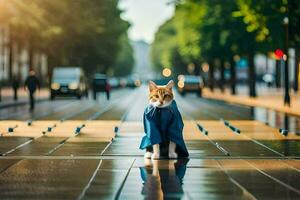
point(173, 155)
point(155, 156)
point(147, 154)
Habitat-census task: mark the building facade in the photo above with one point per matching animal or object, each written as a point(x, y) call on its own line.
point(14, 60)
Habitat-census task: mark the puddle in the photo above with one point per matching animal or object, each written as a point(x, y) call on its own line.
point(163, 179)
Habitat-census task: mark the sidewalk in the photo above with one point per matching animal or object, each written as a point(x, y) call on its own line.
point(270, 98)
point(8, 97)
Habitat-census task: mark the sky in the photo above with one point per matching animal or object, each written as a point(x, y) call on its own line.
point(145, 17)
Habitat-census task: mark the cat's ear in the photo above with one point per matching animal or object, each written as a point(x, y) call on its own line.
point(170, 84)
point(152, 86)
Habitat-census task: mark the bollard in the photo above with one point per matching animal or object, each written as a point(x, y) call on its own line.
point(222, 149)
point(284, 132)
point(78, 129)
point(116, 129)
point(202, 129)
point(11, 129)
point(236, 130)
point(226, 122)
point(50, 128)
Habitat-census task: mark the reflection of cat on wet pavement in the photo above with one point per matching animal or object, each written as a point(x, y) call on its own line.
point(161, 178)
point(163, 124)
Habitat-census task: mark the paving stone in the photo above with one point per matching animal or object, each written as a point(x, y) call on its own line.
point(88, 166)
point(257, 183)
point(92, 148)
point(38, 147)
point(9, 143)
point(46, 179)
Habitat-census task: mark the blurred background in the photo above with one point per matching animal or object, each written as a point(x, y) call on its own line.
point(82, 67)
point(227, 44)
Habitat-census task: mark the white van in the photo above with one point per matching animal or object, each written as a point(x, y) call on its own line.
point(68, 81)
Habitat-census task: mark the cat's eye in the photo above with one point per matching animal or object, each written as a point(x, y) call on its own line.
point(156, 96)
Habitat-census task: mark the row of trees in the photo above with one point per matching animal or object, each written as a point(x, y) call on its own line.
point(79, 33)
point(214, 31)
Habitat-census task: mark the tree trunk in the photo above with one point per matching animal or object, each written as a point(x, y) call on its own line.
point(11, 56)
point(297, 65)
point(267, 63)
point(2, 52)
point(222, 77)
point(20, 64)
point(233, 76)
point(30, 58)
point(10, 59)
point(211, 76)
point(278, 74)
point(2, 58)
point(17, 69)
point(252, 75)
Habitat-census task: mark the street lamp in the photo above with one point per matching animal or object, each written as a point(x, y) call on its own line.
point(287, 99)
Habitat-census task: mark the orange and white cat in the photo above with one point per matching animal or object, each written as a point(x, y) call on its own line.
point(161, 97)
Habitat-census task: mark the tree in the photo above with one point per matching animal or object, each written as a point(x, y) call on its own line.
point(294, 30)
point(165, 47)
point(125, 62)
point(82, 33)
point(214, 31)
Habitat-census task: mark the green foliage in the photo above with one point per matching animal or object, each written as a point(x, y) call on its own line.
point(294, 22)
point(125, 61)
point(205, 30)
point(164, 46)
point(188, 17)
point(82, 33)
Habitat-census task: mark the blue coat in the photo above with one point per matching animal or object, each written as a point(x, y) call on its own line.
point(162, 125)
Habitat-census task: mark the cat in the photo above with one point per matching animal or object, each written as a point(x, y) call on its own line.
point(161, 97)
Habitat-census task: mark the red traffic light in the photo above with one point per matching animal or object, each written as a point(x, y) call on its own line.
point(279, 54)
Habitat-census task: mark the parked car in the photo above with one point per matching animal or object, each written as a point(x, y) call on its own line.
point(68, 81)
point(100, 84)
point(114, 82)
point(133, 81)
point(190, 84)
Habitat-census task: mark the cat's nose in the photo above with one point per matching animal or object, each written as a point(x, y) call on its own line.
point(161, 102)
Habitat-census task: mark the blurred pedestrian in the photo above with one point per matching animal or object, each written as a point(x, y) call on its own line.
point(107, 90)
point(15, 83)
point(31, 84)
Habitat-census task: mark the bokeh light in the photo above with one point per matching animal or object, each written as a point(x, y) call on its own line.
point(205, 67)
point(166, 72)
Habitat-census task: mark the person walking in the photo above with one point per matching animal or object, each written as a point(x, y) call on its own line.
point(15, 86)
point(107, 90)
point(31, 84)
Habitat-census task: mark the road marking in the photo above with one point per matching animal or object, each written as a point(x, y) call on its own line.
point(273, 178)
point(90, 181)
point(123, 182)
point(18, 147)
point(245, 191)
point(222, 149)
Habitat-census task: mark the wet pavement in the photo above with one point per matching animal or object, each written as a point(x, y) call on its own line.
point(89, 150)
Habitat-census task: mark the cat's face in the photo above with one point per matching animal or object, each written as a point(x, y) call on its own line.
point(161, 96)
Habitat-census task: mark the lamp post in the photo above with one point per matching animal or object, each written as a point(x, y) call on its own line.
point(287, 99)
point(1, 59)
